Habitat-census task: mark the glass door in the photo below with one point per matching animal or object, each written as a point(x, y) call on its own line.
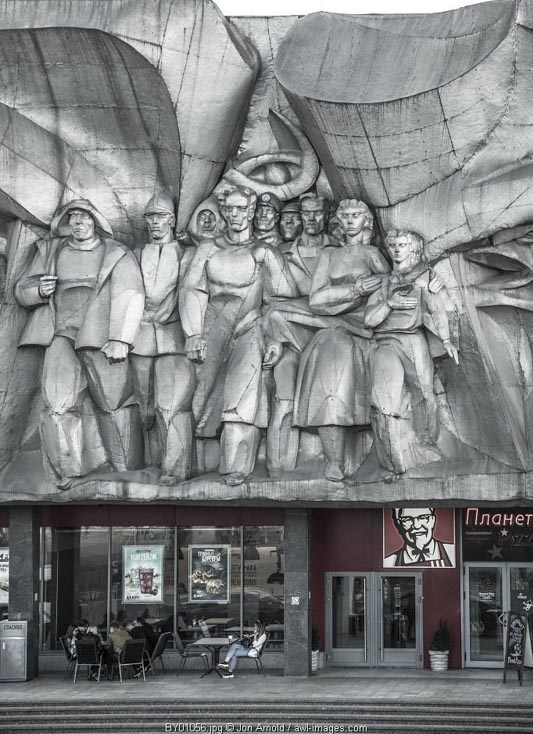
point(485, 592)
point(521, 588)
point(373, 619)
point(347, 615)
point(399, 619)
point(492, 589)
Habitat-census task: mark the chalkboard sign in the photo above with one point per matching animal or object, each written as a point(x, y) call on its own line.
point(515, 645)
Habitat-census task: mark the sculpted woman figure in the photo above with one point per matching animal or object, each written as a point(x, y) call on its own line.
point(332, 390)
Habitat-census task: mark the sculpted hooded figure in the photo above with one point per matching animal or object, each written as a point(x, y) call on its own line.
point(86, 298)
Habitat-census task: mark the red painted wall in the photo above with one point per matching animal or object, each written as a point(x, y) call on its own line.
point(72, 516)
point(352, 540)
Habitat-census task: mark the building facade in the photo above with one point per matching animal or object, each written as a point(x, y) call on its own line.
point(266, 333)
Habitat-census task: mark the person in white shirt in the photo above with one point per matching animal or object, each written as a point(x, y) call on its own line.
point(238, 650)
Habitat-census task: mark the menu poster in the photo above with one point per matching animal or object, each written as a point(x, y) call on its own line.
point(515, 643)
point(142, 574)
point(209, 573)
point(4, 575)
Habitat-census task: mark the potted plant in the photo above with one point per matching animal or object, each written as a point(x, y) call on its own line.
point(439, 648)
point(315, 647)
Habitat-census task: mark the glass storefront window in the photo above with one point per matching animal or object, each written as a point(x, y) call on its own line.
point(264, 580)
point(209, 581)
point(149, 557)
point(196, 581)
point(74, 579)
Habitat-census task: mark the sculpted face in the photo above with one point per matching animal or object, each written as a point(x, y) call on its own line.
point(206, 221)
point(415, 525)
point(290, 225)
point(237, 211)
point(159, 225)
point(313, 216)
point(352, 219)
point(401, 248)
point(82, 225)
point(265, 217)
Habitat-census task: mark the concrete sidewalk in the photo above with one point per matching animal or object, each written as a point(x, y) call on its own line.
point(386, 684)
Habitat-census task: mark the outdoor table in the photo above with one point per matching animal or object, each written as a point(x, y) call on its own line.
point(214, 644)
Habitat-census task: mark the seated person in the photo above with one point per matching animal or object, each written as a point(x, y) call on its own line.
point(73, 633)
point(137, 631)
point(238, 650)
point(107, 660)
point(118, 636)
point(149, 633)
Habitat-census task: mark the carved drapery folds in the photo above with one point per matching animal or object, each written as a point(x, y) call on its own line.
point(349, 302)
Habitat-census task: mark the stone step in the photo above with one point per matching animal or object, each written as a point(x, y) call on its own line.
point(379, 717)
point(129, 704)
point(244, 725)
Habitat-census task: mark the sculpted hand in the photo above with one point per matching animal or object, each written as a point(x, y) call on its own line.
point(403, 303)
point(452, 351)
point(47, 285)
point(259, 253)
point(436, 283)
point(368, 284)
point(195, 348)
point(115, 351)
point(272, 356)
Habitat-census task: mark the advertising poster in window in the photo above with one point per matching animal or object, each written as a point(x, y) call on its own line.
point(4, 575)
point(209, 573)
point(142, 569)
point(419, 537)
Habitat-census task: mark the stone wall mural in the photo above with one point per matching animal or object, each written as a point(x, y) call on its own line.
point(244, 262)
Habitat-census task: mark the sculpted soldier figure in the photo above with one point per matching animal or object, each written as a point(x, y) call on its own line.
point(266, 219)
point(289, 328)
point(229, 281)
point(408, 308)
point(86, 298)
point(290, 222)
point(163, 376)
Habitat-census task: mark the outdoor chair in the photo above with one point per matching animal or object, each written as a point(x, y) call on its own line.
point(188, 652)
point(159, 649)
point(87, 654)
point(257, 660)
point(132, 655)
point(71, 660)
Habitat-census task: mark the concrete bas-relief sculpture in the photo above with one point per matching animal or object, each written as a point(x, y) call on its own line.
point(238, 268)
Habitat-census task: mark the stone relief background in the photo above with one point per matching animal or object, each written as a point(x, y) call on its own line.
point(131, 102)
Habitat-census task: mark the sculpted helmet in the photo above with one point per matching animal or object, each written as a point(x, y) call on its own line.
point(161, 203)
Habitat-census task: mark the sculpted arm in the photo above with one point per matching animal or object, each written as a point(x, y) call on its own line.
point(193, 300)
point(329, 300)
point(127, 305)
point(35, 286)
point(435, 305)
point(279, 283)
point(377, 307)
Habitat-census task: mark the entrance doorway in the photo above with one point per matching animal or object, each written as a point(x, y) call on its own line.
point(374, 619)
point(491, 590)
